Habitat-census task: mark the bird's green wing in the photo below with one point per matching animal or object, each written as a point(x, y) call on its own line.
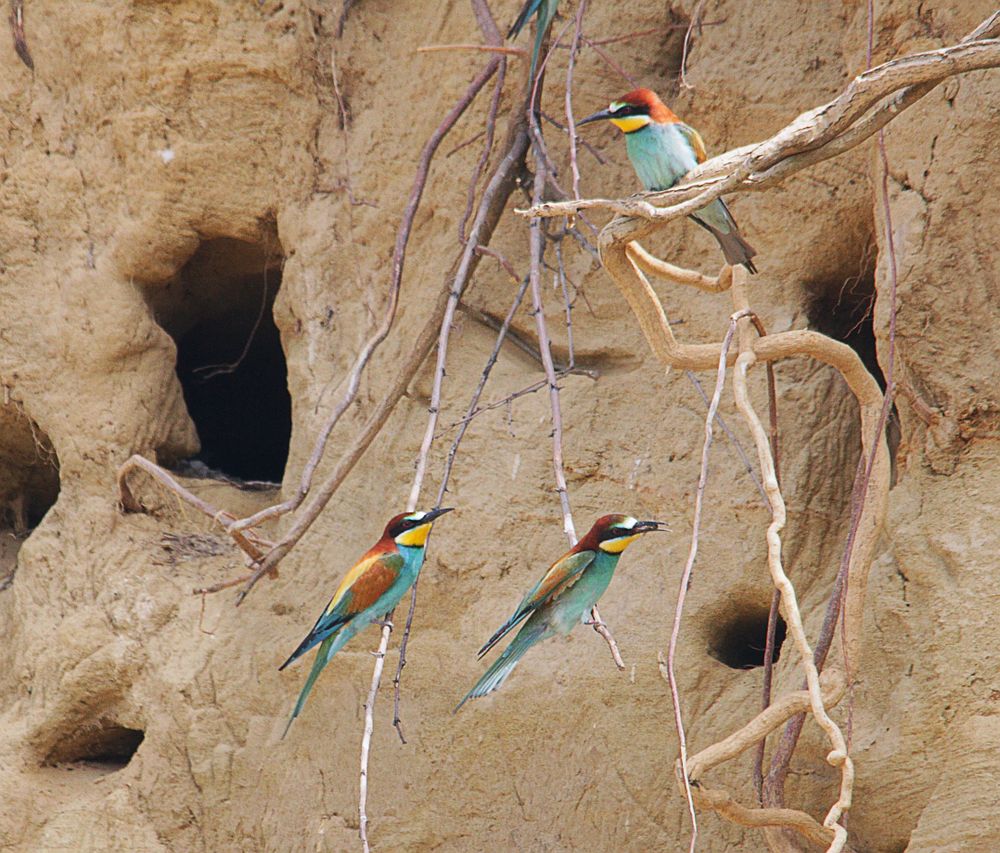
point(694, 138)
point(368, 580)
point(562, 574)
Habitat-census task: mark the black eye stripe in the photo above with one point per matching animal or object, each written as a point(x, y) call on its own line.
point(614, 533)
point(403, 525)
point(629, 110)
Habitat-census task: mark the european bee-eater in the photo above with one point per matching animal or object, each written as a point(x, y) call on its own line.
point(565, 595)
point(663, 150)
point(546, 10)
point(370, 590)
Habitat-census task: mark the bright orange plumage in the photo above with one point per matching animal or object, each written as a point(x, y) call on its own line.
point(658, 111)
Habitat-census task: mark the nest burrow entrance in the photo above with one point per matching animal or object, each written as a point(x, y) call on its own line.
point(219, 309)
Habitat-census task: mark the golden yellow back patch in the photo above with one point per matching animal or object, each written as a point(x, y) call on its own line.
point(415, 538)
point(630, 123)
point(616, 546)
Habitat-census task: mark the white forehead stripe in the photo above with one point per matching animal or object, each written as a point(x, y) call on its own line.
point(615, 105)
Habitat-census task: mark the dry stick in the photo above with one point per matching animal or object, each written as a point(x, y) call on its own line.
point(809, 139)
point(772, 613)
point(484, 217)
point(730, 436)
point(574, 48)
point(491, 207)
point(595, 46)
point(446, 477)
point(558, 125)
point(470, 257)
point(655, 31)
point(251, 543)
point(398, 260)
point(483, 48)
point(537, 245)
point(485, 221)
point(491, 122)
point(694, 25)
point(689, 567)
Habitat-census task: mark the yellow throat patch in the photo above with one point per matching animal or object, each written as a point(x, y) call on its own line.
point(630, 123)
point(415, 538)
point(616, 546)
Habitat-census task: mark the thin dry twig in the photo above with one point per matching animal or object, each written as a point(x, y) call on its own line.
point(570, 120)
point(490, 132)
point(503, 50)
point(694, 25)
point(614, 66)
point(689, 568)
point(537, 246)
point(446, 477)
point(491, 207)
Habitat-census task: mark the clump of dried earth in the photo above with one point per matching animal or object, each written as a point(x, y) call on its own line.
point(168, 162)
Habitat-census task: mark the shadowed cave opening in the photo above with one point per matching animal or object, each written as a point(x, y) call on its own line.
point(29, 483)
point(106, 747)
point(844, 309)
point(740, 641)
point(219, 309)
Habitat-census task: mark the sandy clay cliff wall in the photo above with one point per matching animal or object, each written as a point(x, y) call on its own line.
point(169, 167)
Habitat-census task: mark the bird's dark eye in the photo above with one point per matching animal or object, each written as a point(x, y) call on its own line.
point(613, 533)
point(626, 110)
point(402, 526)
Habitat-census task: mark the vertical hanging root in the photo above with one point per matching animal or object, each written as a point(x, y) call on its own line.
point(838, 756)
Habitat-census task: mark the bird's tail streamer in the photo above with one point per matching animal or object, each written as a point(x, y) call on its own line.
point(503, 666)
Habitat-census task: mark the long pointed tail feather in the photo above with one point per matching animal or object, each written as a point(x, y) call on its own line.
point(324, 654)
point(717, 219)
point(502, 631)
point(322, 659)
point(527, 10)
point(503, 666)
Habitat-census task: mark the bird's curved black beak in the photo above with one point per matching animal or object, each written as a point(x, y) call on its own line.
point(648, 526)
point(434, 513)
point(598, 116)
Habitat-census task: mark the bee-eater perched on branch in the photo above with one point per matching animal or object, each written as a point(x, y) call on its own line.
point(369, 591)
point(564, 597)
point(663, 150)
point(546, 10)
